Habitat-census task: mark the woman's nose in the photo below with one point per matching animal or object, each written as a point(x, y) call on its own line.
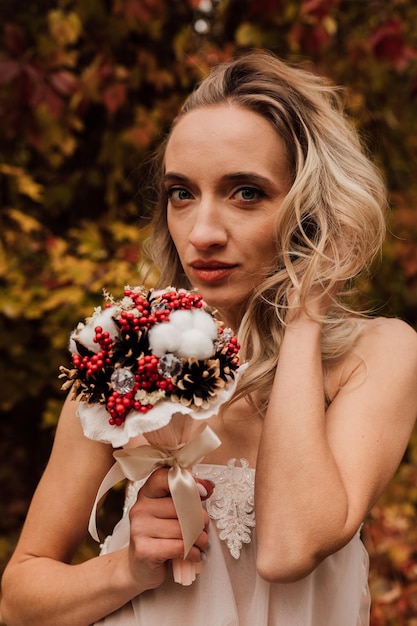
point(208, 229)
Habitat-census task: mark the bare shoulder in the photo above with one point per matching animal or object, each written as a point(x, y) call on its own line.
point(387, 348)
point(390, 326)
point(388, 338)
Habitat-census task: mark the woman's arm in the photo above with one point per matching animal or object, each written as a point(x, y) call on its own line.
point(319, 472)
point(39, 584)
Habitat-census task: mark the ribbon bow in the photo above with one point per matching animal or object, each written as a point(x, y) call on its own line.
point(138, 463)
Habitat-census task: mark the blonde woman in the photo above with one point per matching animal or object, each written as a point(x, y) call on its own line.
point(270, 208)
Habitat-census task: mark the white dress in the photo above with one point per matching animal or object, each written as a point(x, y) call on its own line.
point(228, 591)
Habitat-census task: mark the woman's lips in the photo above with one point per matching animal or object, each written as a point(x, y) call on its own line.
point(211, 272)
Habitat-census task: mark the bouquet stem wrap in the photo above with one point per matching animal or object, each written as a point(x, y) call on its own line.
point(137, 463)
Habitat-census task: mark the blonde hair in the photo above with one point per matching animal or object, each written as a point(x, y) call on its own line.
point(329, 227)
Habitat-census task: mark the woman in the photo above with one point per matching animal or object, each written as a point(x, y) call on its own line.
point(269, 208)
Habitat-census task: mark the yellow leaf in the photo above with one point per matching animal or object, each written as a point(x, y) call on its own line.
point(330, 25)
point(3, 261)
point(25, 183)
point(64, 28)
point(248, 35)
point(27, 223)
point(28, 187)
point(10, 170)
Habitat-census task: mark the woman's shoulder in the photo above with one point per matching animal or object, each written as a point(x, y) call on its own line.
point(385, 347)
point(382, 333)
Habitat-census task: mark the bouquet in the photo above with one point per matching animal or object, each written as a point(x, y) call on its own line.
point(150, 364)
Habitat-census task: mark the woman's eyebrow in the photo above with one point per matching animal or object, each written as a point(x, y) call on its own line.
point(170, 176)
point(233, 176)
point(252, 177)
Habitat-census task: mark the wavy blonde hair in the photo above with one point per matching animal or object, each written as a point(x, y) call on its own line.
point(328, 229)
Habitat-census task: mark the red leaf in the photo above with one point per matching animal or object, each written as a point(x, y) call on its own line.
point(139, 137)
point(387, 42)
point(138, 10)
point(8, 71)
point(319, 8)
point(63, 82)
point(14, 39)
point(264, 7)
point(34, 73)
point(310, 37)
point(114, 97)
point(130, 253)
point(44, 94)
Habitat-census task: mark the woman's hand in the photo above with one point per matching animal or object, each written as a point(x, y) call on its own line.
point(313, 305)
point(156, 534)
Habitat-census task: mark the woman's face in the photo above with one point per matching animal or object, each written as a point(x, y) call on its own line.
point(226, 174)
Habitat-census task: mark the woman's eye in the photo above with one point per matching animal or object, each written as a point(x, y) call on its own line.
point(248, 194)
point(178, 194)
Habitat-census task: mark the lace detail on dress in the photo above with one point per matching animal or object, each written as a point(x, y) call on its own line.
point(231, 506)
point(232, 502)
point(131, 495)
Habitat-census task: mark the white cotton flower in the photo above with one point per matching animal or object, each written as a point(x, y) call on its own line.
point(196, 318)
point(85, 333)
point(182, 320)
point(75, 335)
point(188, 334)
point(85, 337)
point(204, 322)
point(97, 311)
point(105, 320)
point(164, 338)
point(195, 344)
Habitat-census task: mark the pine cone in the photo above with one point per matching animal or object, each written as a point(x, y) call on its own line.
point(198, 384)
point(130, 347)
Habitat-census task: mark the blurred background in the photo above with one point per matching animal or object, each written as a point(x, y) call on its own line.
point(87, 90)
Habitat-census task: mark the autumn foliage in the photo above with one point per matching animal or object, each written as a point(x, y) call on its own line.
point(87, 89)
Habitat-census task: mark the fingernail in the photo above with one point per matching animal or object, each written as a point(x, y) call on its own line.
point(209, 486)
point(203, 556)
point(202, 490)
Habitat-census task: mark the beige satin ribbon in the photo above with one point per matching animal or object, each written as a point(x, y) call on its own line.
point(138, 463)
